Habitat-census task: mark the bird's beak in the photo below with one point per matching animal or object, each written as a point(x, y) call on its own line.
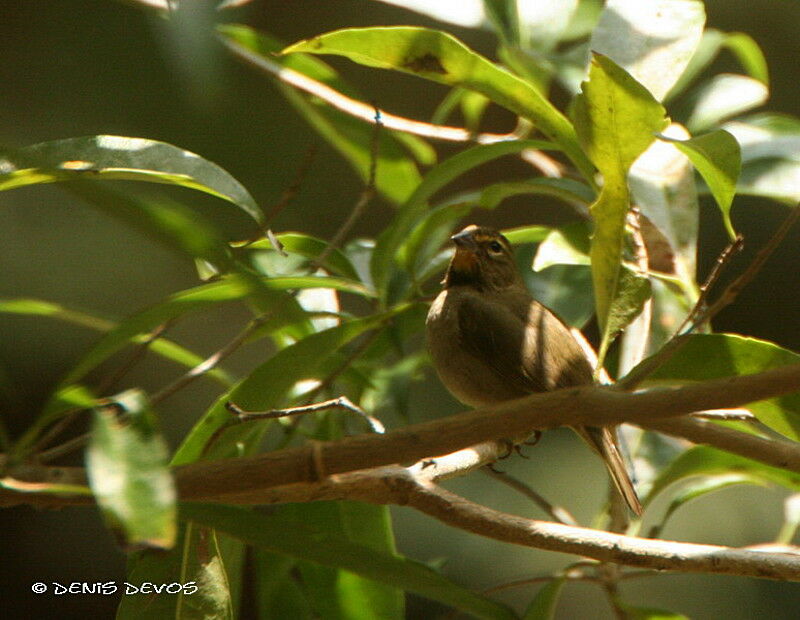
point(465, 240)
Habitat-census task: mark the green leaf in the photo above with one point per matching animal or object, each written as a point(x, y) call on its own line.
point(791, 520)
point(310, 247)
point(414, 208)
point(440, 57)
point(749, 55)
point(717, 157)
point(126, 463)
point(722, 97)
point(396, 175)
point(570, 191)
point(117, 157)
point(649, 613)
point(778, 179)
point(707, 461)
point(296, 539)
point(268, 384)
point(162, 346)
point(204, 563)
point(711, 356)
point(698, 488)
point(653, 41)
point(543, 605)
point(568, 245)
point(616, 119)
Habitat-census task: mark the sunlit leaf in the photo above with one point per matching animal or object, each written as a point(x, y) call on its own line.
point(396, 175)
point(717, 157)
point(440, 57)
point(293, 539)
point(711, 356)
point(653, 41)
point(791, 520)
point(722, 97)
point(117, 157)
point(616, 119)
point(126, 463)
point(568, 245)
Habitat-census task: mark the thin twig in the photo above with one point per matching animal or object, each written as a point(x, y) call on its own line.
point(364, 112)
point(136, 356)
point(558, 513)
point(209, 363)
point(340, 402)
point(364, 197)
point(288, 194)
point(653, 363)
point(723, 260)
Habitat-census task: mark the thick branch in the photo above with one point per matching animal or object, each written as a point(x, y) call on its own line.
point(578, 406)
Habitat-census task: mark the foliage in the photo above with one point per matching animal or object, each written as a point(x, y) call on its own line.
point(631, 135)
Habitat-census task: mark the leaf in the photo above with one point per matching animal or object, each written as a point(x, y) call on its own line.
point(162, 346)
point(778, 179)
point(749, 55)
point(440, 57)
point(707, 461)
point(543, 605)
point(126, 463)
point(568, 245)
point(702, 486)
point(649, 613)
point(712, 356)
point(568, 190)
point(397, 232)
point(268, 384)
point(205, 565)
point(310, 247)
point(396, 175)
point(662, 183)
point(653, 41)
point(722, 97)
point(117, 157)
point(616, 119)
point(294, 539)
point(791, 520)
point(717, 157)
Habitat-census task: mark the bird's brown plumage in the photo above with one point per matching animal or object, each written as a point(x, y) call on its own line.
point(491, 341)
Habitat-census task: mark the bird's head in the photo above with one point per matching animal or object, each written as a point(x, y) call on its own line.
point(483, 260)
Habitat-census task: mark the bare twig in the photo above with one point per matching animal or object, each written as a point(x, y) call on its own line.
point(702, 313)
point(136, 356)
point(341, 402)
point(363, 199)
point(558, 513)
point(209, 363)
point(290, 192)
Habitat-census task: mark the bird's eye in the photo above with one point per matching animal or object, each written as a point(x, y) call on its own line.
point(495, 247)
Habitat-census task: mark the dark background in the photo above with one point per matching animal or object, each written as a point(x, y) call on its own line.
point(82, 67)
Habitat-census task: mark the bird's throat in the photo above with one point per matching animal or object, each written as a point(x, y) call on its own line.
point(464, 269)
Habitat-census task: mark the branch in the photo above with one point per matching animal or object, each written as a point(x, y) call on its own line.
point(576, 406)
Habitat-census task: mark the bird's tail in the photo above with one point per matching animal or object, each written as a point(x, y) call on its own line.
point(603, 440)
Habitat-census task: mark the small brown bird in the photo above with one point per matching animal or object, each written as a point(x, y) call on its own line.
point(491, 341)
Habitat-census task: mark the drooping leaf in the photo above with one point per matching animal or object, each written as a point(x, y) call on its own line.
point(717, 157)
point(126, 463)
point(653, 41)
point(396, 175)
point(616, 119)
point(440, 57)
point(711, 356)
point(162, 346)
point(291, 538)
point(117, 157)
point(568, 190)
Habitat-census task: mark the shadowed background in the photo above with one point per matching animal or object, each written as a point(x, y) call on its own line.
point(82, 67)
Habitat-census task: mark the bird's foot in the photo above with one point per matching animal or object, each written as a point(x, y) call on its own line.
point(533, 439)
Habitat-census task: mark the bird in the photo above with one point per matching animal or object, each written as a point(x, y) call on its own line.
point(491, 341)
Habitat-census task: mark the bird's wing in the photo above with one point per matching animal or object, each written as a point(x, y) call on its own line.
point(499, 338)
point(532, 350)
